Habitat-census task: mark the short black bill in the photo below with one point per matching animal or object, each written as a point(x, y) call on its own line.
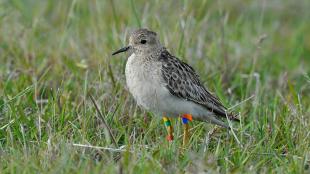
point(121, 50)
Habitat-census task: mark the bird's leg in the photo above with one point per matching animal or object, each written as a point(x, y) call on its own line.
point(169, 128)
point(185, 119)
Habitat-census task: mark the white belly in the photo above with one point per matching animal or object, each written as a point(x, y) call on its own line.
point(146, 85)
point(143, 82)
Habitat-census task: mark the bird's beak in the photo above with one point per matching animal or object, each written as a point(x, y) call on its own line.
point(121, 50)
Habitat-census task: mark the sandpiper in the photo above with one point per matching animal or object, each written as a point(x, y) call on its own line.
point(162, 83)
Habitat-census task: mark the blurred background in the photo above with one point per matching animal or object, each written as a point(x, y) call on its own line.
point(54, 53)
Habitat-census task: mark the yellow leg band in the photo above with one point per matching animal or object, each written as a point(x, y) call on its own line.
point(169, 128)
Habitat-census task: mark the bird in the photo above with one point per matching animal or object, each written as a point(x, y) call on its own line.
point(167, 86)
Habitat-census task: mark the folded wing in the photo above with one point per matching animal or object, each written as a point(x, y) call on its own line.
point(182, 81)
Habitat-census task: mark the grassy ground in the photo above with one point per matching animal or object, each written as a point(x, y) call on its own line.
point(54, 53)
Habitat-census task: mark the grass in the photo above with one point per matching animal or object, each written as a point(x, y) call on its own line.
point(54, 54)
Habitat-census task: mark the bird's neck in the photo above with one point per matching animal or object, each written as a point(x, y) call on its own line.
point(150, 53)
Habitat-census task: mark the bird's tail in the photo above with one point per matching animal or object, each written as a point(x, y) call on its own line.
point(233, 117)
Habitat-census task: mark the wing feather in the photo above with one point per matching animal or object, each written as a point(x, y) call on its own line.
point(182, 81)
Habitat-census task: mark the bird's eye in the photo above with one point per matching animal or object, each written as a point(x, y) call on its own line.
point(143, 41)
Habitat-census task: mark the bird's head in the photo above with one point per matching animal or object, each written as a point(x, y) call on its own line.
point(141, 41)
